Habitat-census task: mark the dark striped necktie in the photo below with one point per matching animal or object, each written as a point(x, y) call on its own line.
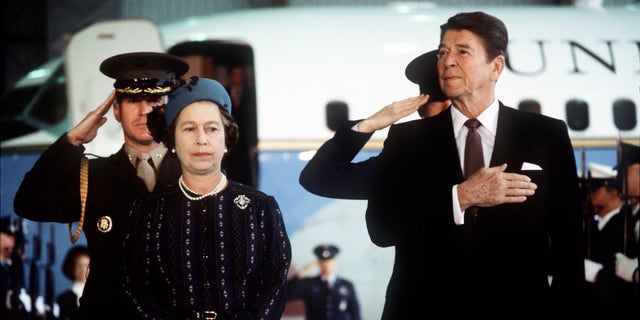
point(473, 158)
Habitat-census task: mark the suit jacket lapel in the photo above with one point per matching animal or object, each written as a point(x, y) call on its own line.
point(502, 142)
point(447, 144)
point(509, 140)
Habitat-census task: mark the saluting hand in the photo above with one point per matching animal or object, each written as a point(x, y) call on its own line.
point(87, 129)
point(489, 187)
point(306, 270)
point(392, 113)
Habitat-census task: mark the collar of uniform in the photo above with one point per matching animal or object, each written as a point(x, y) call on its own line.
point(156, 154)
point(602, 220)
point(329, 278)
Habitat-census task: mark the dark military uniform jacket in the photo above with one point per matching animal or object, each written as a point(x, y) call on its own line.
point(68, 304)
point(324, 302)
point(611, 297)
point(50, 193)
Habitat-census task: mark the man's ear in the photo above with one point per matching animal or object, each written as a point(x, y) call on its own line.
point(116, 110)
point(498, 65)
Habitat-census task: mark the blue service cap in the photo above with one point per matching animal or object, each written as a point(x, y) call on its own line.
point(423, 71)
point(326, 251)
point(197, 89)
point(7, 226)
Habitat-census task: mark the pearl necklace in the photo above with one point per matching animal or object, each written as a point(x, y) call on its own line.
point(217, 189)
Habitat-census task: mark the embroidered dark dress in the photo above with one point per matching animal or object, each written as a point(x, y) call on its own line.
point(227, 253)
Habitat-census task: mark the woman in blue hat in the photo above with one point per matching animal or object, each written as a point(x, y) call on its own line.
point(205, 247)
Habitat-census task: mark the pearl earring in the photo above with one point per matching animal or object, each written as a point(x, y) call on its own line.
point(173, 150)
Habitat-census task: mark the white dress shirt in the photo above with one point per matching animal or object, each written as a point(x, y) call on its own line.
point(489, 120)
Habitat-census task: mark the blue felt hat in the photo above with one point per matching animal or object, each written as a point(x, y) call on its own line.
point(197, 89)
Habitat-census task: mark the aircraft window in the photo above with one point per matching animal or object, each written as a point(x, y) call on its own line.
point(337, 113)
point(16, 101)
point(51, 106)
point(13, 104)
point(41, 105)
point(577, 114)
point(624, 114)
point(530, 105)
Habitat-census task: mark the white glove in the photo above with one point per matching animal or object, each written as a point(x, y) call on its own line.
point(24, 298)
point(591, 269)
point(625, 267)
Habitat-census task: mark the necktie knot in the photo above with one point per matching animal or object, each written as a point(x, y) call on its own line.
point(472, 124)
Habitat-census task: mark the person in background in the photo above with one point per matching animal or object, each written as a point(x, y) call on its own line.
point(75, 267)
point(241, 162)
point(626, 267)
point(608, 296)
point(15, 300)
point(423, 71)
point(50, 191)
point(204, 247)
point(7, 245)
point(326, 296)
point(330, 172)
point(475, 231)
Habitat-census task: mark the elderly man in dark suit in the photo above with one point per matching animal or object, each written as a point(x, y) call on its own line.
point(484, 243)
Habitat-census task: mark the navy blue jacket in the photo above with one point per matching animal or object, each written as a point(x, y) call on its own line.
point(338, 302)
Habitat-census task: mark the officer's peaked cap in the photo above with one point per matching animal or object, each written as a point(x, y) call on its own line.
point(423, 70)
point(144, 73)
point(326, 251)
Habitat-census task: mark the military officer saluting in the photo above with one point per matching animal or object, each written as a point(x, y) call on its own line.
point(326, 296)
point(50, 191)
